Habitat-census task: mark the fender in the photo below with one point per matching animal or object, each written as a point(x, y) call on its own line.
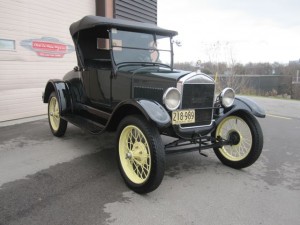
point(243, 104)
point(63, 94)
point(153, 112)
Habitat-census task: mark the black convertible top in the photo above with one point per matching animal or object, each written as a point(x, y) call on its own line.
point(98, 21)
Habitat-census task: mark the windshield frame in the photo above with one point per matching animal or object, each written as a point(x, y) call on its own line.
point(143, 63)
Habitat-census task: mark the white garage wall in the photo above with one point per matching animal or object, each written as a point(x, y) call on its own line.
point(23, 74)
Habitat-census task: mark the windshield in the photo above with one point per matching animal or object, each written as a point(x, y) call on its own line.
point(140, 47)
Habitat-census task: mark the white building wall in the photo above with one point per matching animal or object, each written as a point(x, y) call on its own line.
point(24, 73)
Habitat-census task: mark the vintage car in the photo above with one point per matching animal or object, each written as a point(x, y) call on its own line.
point(125, 82)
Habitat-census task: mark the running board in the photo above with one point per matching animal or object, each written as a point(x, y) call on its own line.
point(81, 122)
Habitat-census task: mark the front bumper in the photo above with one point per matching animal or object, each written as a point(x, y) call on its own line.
point(191, 132)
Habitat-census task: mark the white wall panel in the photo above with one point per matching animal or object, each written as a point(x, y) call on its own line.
point(23, 73)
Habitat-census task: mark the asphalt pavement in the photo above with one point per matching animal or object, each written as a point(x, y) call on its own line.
point(75, 180)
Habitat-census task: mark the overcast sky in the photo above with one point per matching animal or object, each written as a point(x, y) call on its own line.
point(221, 30)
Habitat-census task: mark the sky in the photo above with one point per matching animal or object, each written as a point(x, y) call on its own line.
point(233, 30)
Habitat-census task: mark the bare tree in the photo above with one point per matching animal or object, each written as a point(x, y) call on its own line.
point(226, 74)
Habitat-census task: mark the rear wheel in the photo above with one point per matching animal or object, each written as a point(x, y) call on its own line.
point(58, 126)
point(246, 137)
point(141, 156)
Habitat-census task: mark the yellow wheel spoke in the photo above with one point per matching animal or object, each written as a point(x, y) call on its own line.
point(146, 167)
point(138, 155)
point(137, 162)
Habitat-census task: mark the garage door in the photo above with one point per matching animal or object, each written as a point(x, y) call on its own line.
point(35, 46)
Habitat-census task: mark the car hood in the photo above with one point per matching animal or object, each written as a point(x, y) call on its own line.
point(160, 78)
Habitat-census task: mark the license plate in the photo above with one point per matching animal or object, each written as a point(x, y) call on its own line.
point(183, 116)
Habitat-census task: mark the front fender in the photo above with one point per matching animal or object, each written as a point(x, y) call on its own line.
point(245, 105)
point(155, 112)
point(62, 92)
point(151, 110)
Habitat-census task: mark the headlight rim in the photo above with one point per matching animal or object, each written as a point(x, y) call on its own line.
point(165, 97)
point(222, 94)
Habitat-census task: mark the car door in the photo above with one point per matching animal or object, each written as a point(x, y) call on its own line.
point(97, 85)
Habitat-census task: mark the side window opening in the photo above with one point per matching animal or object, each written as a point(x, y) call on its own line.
point(95, 49)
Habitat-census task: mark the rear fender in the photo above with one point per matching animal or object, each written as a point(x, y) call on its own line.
point(62, 92)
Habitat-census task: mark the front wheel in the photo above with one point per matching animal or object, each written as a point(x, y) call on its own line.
point(246, 138)
point(141, 156)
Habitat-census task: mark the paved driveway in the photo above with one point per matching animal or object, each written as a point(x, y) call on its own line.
point(75, 180)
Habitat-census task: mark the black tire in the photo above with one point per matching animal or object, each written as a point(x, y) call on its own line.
point(250, 130)
point(140, 154)
point(57, 125)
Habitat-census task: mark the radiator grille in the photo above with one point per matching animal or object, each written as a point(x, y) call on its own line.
point(199, 97)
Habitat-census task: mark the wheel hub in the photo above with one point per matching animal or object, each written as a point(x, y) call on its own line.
point(128, 155)
point(234, 138)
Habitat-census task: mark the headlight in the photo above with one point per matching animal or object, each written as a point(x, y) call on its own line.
point(172, 98)
point(227, 97)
